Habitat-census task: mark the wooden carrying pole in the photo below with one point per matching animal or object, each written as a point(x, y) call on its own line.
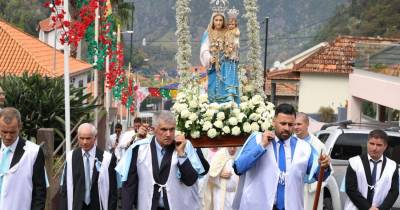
point(319, 185)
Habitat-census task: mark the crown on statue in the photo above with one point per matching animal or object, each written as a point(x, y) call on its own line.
point(219, 6)
point(233, 13)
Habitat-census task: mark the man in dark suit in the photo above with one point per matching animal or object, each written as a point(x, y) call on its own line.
point(89, 178)
point(372, 180)
point(22, 173)
point(153, 165)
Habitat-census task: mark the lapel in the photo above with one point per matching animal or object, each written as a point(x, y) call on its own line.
point(154, 159)
point(367, 169)
point(383, 165)
point(78, 171)
point(19, 151)
point(99, 157)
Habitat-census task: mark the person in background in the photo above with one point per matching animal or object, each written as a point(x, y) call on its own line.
point(114, 138)
point(301, 130)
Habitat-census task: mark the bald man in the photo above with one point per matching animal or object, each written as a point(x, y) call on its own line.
point(301, 130)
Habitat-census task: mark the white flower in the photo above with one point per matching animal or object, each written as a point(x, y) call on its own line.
point(248, 88)
point(265, 126)
point(193, 104)
point(185, 113)
point(235, 131)
point(255, 126)
point(226, 129)
point(254, 116)
point(207, 125)
point(236, 111)
point(244, 98)
point(233, 121)
point(241, 117)
point(188, 124)
point(203, 98)
point(218, 124)
point(246, 127)
point(212, 133)
point(195, 134)
point(221, 116)
point(214, 106)
point(210, 113)
point(193, 117)
point(261, 110)
point(243, 105)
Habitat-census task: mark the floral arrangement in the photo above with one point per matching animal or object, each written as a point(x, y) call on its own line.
point(196, 116)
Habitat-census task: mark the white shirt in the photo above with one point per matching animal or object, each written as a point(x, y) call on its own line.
point(92, 153)
point(378, 169)
point(13, 146)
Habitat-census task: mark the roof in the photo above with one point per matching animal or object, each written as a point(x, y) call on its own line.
point(20, 52)
point(282, 89)
point(285, 74)
point(46, 25)
point(338, 56)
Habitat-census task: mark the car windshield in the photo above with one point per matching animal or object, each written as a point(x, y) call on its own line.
point(351, 144)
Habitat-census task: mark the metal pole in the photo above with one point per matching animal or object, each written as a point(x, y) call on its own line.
point(265, 53)
point(66, 88)
point(131, 49)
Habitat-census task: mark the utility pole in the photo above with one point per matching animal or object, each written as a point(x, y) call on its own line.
point(132, 20)
point(66, 85)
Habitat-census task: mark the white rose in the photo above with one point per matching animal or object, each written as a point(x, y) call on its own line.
point(255, 126)
point(214, 106)
point(185, 113)
point(241, 117)
point(246, 127)
point(207, 125)
point(261, 110)
point(221, 116)
point(193, 104)
point(244, 105)
point(248, 88)
point(226, 129)
point(188, 123)
point(235, 131)
point(233, 121)
point(236, 111)
point(203, 98)
point(244, 98)
point(212, 133)
point(193, 117)
point(254, 116)
point(210, 113)
point(265, 126)
point(195, 134)
point(218, 124)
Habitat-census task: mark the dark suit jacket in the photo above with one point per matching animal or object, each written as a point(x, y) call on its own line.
point(38, 178)
point(160, 174)
point(78, 178)
point(355, 196)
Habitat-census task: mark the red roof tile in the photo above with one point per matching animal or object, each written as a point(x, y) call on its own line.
point(338, 56)
point(46, 25)
point(20, 52)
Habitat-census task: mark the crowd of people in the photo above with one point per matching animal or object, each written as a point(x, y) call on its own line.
point(157, 170)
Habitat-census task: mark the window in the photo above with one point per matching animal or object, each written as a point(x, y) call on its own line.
point(323, 137)
point(352, 144)
point(80, 83)
point(349, 145)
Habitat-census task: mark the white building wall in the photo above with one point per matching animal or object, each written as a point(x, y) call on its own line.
point(322, 89)
point(48, 38)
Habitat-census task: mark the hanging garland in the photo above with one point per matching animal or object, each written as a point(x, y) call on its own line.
point(254, 53)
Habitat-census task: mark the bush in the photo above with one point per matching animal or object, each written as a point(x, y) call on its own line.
point(326, 114)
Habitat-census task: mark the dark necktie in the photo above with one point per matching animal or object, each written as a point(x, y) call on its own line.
point(373, 176)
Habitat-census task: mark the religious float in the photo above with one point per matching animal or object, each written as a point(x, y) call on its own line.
point(233, 104)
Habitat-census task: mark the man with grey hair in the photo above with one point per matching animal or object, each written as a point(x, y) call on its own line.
point(89, 180)
point(22, 172)
point(301, 130)
point(160, 172)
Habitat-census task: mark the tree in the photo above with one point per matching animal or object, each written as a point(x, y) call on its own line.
point(41, 102)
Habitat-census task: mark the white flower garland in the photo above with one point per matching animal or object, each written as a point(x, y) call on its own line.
point(254, 53)
point(184, 52)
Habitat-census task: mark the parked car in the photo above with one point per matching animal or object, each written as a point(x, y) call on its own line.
point(345, 140)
